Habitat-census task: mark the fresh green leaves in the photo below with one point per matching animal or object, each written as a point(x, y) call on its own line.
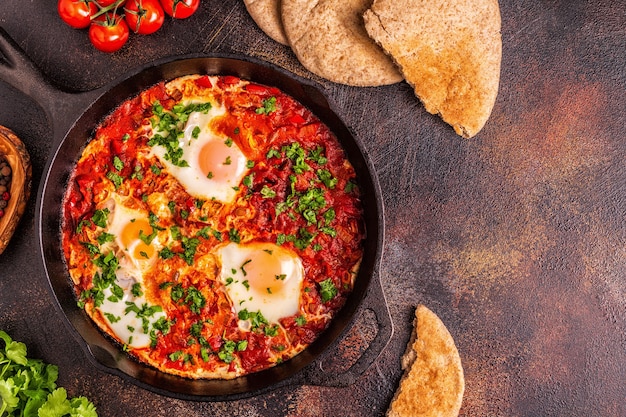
point(328, 291)
point(189, 296)
point(57, 404)
point(28, 386)
point(310, 203)
point(258, 322)
point(228, 348)
point(169, 126)
point(100, 217)
point(269, 106)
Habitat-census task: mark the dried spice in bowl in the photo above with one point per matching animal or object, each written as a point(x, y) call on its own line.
point(5, 183)
point(15, 183)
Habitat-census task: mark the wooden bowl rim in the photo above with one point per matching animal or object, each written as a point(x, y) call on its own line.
point(17, 155)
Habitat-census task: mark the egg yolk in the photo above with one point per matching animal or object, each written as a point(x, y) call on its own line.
point(267, 272)
point(131, 237)
point(221, 162)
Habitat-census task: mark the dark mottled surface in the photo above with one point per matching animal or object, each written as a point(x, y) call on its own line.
point(516, 238)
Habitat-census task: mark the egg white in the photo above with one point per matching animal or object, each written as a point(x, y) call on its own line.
point(132, 264)
point(127, 325)
point(196, 182)
point(262, 277)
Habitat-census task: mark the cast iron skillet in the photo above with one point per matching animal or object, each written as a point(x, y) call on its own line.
point(74, 115)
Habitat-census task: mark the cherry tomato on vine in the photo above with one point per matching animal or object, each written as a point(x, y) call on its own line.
point(144, 16)
point(180, 9)
point(108, 32)
point(76, 13)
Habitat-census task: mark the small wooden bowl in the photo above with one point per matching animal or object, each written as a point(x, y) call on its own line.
point(21, 176)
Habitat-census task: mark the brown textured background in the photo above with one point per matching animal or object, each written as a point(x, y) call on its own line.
point(516, 238)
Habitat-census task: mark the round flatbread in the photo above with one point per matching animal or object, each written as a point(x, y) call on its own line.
point(330, 40)
point(266, 14)
point(449, 51)
point(433, 383)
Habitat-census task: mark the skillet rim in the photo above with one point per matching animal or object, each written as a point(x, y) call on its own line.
point(103, 353)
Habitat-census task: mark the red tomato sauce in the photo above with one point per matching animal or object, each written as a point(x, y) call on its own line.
point(300, 192)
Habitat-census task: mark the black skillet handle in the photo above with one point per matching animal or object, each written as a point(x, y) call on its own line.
point(19, 71)
point(374, 302)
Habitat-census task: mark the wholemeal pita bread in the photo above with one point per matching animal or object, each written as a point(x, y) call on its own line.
point(449, 51)
point(433, 383)
point(266, 14)
point(329, 39)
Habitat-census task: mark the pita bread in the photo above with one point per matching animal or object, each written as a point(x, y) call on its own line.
point(329, 39)
point(449, 51)
point(433, 383)
point(266, 14)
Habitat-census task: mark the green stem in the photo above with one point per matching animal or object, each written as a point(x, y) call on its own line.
point(4, 370)
point(107, 9)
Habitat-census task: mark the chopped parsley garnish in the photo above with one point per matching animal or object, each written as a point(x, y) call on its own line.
point(118, 164)
point(271, 330)
point(153, 221)
point(81, 225)
point(233, 235)
point(273, 153)
point(303, 240)
point(115, 178)
point(296, 153)
point(329, 231)
point(267, 192)
point(248, 179)
point(112, 317)
point(204, 232)
point(166, 253)
point(169, 126)
point(243, 267)
point(189, 249)
point(155, 169)
point(195, 300)
point(269, 106)
point(136, 290)
point(228, 348)
point(105, 237)
point(316, 155)
point(258, 323)
point(91, 248)
point(100, 217)
point(328, 291)
point(137, 173)
point(190, 296)
point(147, 239)
point(327, 178)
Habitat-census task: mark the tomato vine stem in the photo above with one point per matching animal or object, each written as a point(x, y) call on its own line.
point(103, 10)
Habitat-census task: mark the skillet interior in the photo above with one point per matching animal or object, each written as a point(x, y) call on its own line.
point(106, 353)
